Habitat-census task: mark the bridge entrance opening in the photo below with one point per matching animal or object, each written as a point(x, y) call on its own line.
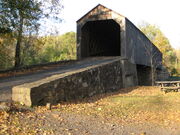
point(100, 38)
point(144, 75)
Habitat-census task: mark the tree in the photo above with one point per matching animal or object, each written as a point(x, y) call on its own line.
point(68, 41)
point(22, 17)
point(19, 15)
point(51, 16)
point(6, 50)
point(156, 36)
point(177, 65)
point(58, 48)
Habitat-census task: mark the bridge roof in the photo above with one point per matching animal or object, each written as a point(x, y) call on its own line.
point(99, 8)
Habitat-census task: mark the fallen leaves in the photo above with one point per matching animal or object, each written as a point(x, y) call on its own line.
point(138, 105)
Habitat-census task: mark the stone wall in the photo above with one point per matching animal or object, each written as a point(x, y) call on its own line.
point(73, 85)
point(129, 73)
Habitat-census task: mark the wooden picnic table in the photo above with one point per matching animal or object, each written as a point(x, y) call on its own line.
point(168, 86)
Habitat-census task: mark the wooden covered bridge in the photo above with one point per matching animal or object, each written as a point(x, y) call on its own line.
point(104, 32)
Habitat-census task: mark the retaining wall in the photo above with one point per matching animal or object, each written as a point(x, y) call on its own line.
point(73, 85)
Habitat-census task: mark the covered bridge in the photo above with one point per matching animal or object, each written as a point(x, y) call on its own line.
point(104, 32)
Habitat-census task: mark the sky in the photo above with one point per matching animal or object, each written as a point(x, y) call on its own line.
point(163, 13)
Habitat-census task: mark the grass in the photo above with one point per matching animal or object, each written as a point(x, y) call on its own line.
point(140, 104)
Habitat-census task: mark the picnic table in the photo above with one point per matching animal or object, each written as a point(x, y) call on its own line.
point(168, 86)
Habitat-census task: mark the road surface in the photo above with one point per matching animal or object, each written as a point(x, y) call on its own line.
point(7, 83)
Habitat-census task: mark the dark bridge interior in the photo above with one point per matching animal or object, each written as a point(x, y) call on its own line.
point(144, 75)
point(100, 38)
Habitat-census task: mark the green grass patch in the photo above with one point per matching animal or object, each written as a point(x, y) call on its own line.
point(158, 103)
point(143, 104)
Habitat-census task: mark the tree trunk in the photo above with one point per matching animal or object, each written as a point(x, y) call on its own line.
point(18, 45)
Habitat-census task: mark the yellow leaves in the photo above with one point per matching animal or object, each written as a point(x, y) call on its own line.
point(6, 125)
point(3, 125)
point(140, 104)
point(1, 40)
point(57, 117)
point(4, 116)
point(21, 103)
point(143, 133)
point(14, 122)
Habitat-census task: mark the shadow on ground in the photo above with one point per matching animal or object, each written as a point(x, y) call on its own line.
point(97, 97)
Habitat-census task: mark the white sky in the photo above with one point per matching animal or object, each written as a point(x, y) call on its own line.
point(163, 13)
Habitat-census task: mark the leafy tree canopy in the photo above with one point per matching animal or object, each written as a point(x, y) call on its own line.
point(15, 13)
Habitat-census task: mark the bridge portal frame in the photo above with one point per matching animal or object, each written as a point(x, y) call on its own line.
point(100, 13)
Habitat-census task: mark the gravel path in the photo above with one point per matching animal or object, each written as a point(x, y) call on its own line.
point(7, 83)
point(73, 124)
point(91, 125)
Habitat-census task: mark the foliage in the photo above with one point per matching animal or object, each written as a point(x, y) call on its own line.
point(23, 18)
point(19, 12)
point(51, 17)
point(177, 64)
point(31, 47)
point(174, 71)
point(19, 16)
point(59, 48)
point(6, 51)
point(36, 50)
point(156, 36)
point(53, 48)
